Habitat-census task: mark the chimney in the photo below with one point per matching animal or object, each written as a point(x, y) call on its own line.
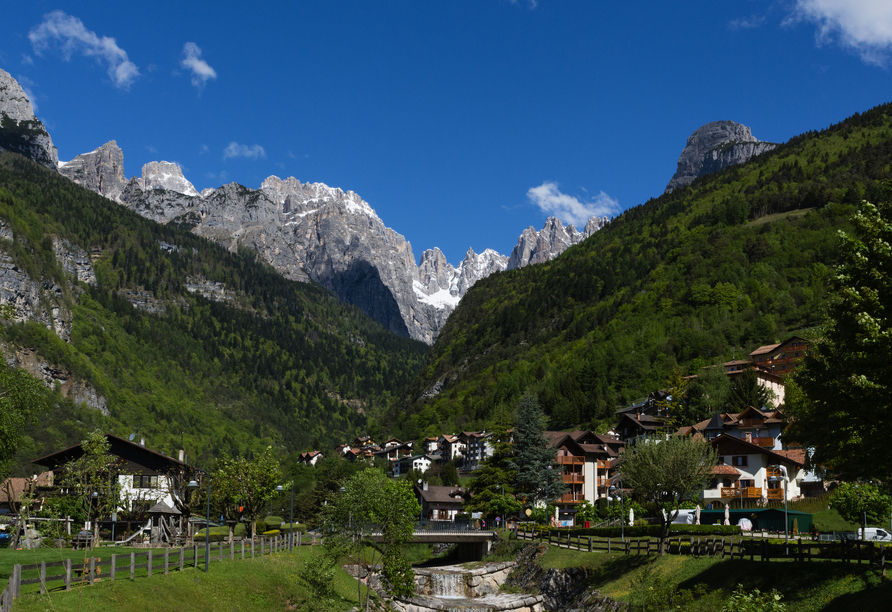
point(142, 441)
point(424, 486)
point(182, 456)
point(749, 437)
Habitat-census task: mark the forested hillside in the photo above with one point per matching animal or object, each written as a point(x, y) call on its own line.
point(736, 260)
point(271, 362)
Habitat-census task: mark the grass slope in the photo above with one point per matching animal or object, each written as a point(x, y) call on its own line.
point(268, 583)
point(806, 587)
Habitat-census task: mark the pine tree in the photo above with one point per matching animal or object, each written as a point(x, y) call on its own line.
point(533, 455)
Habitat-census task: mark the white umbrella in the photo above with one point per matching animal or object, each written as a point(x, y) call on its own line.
point(697, 515)
point(631, 517)
point(745, 524)
point(727, 515)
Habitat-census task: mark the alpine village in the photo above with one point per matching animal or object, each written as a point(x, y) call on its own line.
point(255, 399)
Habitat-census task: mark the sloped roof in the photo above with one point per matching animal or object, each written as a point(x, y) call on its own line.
point(725, 470)
point(794, 454)
point(762, 350)
point(440, 495)
point(136, 456)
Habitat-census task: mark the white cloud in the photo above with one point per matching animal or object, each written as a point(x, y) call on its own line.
point(151, 149)
point(69, 35)
point(747, 23)
point(239, 150)
point(201, 70)
point(27, 86)
point(291, 155)
point(27, 59)
point(204, 149)
point(865, 26)
point(569, 209)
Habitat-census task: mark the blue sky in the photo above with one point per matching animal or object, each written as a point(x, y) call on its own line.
point(460, 122)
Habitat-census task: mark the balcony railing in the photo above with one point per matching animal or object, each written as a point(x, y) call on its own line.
point(751, 423)
point(571, 498)
point(764, 442)
point(745, 492)
point(602, 465)
point(569, 460)
point(775, 494)
point(574, 478)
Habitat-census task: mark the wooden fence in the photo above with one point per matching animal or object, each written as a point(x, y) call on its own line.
point(153, 560)
point(804, 551)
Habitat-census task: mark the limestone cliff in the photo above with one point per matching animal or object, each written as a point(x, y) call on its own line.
point(100, 170)
point(714, 147)
point(20, 131)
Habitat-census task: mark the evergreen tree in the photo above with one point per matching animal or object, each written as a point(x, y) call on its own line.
point(707, 394)
point(492, 487)
point(533, 455)
point(746, 391)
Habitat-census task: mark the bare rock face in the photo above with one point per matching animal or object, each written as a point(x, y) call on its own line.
point(538, 247)
point(714, 147)
point(165, 175)
point(313, 231)
point(101, 170)
point(20, 131)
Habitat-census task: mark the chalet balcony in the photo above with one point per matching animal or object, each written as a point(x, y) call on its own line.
point(569, 460)
point(751, 423)
point(775, 495)
point(744, 492)
point(764, 442)
point(602, 465)
point(574, 477)
point(571, 498)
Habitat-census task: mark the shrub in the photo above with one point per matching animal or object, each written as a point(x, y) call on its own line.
point(260, 527)
point(271, 532)
point(296, 528)
point(273, 522)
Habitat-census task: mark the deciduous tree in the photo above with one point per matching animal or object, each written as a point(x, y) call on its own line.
point(845, 405)
point(22, 399)
point(853, 500)
point(667, 472)
point(246, 483)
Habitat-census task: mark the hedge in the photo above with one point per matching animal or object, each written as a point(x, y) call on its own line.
point(644, 531)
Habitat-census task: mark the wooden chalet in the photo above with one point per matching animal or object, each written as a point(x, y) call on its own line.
point(780, 359)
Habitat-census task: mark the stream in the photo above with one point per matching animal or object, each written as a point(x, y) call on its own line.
point(454, 588)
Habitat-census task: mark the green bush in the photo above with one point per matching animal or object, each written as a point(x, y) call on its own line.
point(644, 531)
point(260, 527)
point(218, 534)
point(296, 528)
point(271, 532)
point(273, 522)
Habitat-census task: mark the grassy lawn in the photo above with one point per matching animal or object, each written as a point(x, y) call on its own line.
point(267, 583)
point(806, 587)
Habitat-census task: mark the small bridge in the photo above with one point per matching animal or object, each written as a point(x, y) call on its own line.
point(472, 544)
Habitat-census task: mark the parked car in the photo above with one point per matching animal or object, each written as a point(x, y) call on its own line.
point(875, 534)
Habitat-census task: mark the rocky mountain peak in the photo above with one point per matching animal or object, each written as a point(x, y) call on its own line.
point(100, 170)
point(714, 147)
point(166, 175)
point(538, 247)
point(20, 131)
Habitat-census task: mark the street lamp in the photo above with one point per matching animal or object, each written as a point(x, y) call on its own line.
point(622, 510)
point(193, 485)
point(774, 478)
point(547, 478)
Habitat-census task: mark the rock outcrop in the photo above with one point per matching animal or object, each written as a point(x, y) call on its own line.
point(538, 247)
point(101, 170)
point(166, 175)
point(714, 147)
point(20, 131)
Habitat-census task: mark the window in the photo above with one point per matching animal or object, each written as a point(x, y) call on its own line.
point(741, 460)
point(145, 482)
point(721, 461)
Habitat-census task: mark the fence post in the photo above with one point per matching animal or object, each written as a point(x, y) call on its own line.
point(132, 565)
point(113, 567)
point(608, 545)
point(590, 543)
point(166, 559)
point(883, 558)
point(801, 554)
point(42, 577)
point(182, 554)
point(17, 587)
point(67, 574)
point(252, 548)
point(149, 564)
point(195, 556)
point(92, 569)
point(231, 550)
point(243, 550)
point(870, 555)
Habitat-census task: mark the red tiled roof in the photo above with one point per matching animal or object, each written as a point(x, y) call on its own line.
point(794, 454)
point(725, 470)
